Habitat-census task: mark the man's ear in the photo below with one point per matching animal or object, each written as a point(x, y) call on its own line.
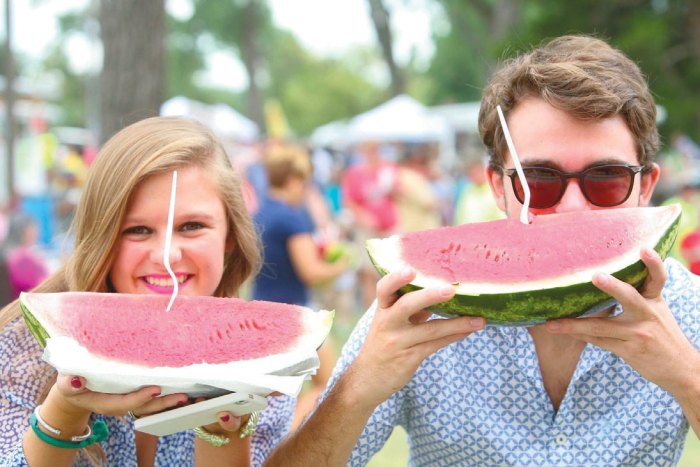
point(495, 178)
point(647, 184)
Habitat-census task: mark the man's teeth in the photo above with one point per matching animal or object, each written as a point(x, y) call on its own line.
point(164, 281)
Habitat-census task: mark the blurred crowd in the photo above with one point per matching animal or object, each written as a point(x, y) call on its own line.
point(373, 189)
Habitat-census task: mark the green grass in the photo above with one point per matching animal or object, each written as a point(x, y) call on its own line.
point(691, 453)
point(395, 452)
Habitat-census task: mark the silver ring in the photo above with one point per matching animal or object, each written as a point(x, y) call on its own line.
point(132, 415)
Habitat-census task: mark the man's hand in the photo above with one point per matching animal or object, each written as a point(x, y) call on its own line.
point(402, 336)
point(645, 335)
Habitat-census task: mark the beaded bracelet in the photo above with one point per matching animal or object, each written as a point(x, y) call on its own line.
point(214, 439)
point(95, 434)
point(251, 426)
point(218, 440)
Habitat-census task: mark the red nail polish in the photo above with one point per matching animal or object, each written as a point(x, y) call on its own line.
point(155, 394)
point(75, 382)
point(181, 403)
point(225, 418)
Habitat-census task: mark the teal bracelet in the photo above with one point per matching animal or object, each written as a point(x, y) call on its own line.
point(100, 432)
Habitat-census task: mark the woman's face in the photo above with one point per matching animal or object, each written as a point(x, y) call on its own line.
point(199, 236)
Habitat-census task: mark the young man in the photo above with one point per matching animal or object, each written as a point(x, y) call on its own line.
point(618, 388)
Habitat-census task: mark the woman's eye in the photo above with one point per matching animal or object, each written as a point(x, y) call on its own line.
point(137, 230)
point(190, 226)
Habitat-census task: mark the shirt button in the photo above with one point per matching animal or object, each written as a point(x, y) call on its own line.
point(560, 439)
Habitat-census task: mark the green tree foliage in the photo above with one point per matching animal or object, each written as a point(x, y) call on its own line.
point(311, 90)
point(470, 36)
point(72, 89)
point(663, 36)
point(243, 26)
point(184, 59)
point(314, 91)
point(467, 43)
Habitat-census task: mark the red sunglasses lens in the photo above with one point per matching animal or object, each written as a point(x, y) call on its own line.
point(545, 187)
point(607, 186)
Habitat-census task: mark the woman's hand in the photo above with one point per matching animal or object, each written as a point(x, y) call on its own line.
point(227, 424)
point(68, 407)
point(71, 393)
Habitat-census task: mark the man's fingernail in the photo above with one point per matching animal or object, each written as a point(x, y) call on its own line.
point(406, 272)
point(155, 394)
point(75, 382)
point(225, 418)
point(554, 326)
point(446, 290)
point(476, 322)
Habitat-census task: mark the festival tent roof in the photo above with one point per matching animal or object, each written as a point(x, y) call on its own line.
point(401, 119)
point(221, 118)
point(330, 135)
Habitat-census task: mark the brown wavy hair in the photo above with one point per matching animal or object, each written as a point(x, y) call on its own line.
point(581, 75)
point(134, 154)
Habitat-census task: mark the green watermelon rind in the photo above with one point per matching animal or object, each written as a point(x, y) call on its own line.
point(37, 330)
point(534, 307)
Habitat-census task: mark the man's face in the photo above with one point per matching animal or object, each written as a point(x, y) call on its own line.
point(544, 136)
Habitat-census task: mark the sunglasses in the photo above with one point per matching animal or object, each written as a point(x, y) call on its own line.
point(602, 185)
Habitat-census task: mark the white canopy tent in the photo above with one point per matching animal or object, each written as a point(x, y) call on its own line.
point(401, 119)
point(331, 135)
point(221, 118)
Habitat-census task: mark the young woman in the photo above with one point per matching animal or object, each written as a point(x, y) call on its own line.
point(120, 228)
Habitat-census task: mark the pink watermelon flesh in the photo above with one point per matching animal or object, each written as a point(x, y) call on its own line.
point(136, 329)
point(507, 251)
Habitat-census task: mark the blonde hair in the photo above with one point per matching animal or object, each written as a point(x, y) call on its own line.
point(134, 154)
point(283, 162)
point(581, 75)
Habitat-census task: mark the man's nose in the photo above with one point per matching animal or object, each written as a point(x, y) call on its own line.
point(572, 199)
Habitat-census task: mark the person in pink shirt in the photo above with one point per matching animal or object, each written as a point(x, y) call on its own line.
point(368, 189)
point(26, 268)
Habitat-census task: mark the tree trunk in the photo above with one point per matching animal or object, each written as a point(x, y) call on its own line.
point(504, 16)
point(250, 53)
point(694, 41)
point(9, 135)
point(133, 37)
point(380, 18)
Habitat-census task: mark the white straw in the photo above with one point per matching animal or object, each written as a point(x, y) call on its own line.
point(518, 168)
point(168, 240)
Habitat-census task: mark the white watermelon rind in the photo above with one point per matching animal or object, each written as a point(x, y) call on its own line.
point(282, 372)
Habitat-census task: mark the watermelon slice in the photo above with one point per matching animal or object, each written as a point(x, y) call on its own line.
point(517, 274)
point(200, 337)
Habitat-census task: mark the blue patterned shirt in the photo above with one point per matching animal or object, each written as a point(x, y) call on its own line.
point(23, 375)
point(482, 401)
